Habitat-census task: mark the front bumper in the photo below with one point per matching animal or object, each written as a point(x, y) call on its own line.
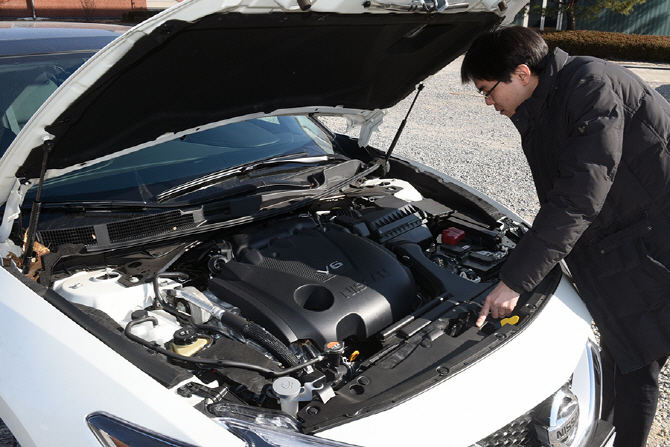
point(569, 418)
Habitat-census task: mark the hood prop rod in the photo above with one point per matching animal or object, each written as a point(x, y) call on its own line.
point(400, 129)
point(35, 211)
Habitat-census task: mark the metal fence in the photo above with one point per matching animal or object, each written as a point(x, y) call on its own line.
point(651, 17)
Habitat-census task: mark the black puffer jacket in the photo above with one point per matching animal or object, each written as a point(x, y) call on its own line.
point(597, 139)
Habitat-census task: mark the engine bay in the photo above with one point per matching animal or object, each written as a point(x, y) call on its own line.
point(335, 312)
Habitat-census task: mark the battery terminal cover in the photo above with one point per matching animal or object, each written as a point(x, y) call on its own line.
point(452, 236)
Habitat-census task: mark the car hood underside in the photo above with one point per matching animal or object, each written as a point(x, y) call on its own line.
point(183, 74)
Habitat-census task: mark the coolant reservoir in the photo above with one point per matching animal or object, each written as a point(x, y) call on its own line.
point(102, 290)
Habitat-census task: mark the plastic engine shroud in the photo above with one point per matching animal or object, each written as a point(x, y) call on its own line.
point(319, 283)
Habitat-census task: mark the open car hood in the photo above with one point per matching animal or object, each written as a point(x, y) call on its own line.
point(208, 61)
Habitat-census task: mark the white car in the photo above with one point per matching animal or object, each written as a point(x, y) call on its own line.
point(211, 265)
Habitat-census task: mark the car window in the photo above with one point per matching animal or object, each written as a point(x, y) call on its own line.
point(143, 174)
point(27, 81)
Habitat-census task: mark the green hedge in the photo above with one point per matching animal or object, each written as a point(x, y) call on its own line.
point(616, 46)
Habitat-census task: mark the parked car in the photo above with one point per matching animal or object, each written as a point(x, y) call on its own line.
point(211, 264)
point(35, 58)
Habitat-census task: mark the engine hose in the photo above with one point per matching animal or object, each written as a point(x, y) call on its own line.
point(255, 332)
point(258, 333)
point(213, 363)
point(247, 328)
point(269, 342)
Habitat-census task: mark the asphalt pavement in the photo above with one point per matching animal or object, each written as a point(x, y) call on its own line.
point(650, 72)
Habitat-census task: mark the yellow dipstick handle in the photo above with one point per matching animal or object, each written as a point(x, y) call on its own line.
point(510, 320)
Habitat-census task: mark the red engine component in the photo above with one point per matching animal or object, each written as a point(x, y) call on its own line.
point(452, 236)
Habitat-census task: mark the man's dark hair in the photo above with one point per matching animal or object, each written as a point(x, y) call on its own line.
point(495, 55)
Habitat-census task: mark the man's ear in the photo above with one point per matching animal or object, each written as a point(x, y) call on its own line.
point(524, 74)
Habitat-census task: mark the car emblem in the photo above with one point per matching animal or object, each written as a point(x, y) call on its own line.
point(559, 420)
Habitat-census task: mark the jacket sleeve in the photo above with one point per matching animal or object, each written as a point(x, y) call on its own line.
point(587, 164)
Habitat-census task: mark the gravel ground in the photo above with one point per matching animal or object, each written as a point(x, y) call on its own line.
point(451, 130)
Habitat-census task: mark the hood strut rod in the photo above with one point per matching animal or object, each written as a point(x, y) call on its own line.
point(402, 126)
point(37, 207)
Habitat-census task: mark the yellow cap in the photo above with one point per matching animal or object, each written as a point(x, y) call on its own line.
point(511, 320)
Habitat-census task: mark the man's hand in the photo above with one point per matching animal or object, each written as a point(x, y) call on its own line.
point(501, 302)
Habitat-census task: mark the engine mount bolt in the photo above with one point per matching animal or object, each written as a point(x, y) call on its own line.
point(313, 411)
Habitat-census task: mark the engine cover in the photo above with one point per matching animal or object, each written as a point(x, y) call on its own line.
point(319, 283)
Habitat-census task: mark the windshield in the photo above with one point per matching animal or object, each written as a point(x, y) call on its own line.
point(27, 81)
point(146, 173)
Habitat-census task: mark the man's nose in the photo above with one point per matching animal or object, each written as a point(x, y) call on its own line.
point(489, 101)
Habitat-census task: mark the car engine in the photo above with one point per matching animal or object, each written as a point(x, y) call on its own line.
point(326, 301)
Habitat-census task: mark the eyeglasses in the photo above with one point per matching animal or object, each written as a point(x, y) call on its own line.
point(487, 95)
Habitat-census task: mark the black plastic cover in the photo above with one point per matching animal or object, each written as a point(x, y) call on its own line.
point(318, 283)
point(387, 220)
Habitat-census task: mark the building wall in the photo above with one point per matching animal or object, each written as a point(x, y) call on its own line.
point(67, 9)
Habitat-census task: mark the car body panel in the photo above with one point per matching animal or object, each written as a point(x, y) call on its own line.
point(50, 406)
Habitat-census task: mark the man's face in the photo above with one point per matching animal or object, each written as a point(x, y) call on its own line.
point(504, 97)
point(507, 96)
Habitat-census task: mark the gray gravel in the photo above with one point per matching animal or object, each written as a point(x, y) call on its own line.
point(453, 131)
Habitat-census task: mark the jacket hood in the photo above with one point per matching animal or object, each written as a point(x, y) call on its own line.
point(200, 63)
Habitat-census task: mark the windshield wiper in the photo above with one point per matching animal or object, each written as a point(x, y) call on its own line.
point(215, 177)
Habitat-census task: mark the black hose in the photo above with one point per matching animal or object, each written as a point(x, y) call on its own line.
point(213, 363)
point(255, 332)
point(247, 328)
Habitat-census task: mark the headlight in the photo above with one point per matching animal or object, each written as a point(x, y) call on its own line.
point(114, 432)
point(257, 427)
point(266, 428)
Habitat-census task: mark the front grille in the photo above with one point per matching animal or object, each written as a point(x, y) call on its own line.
point(520, 432)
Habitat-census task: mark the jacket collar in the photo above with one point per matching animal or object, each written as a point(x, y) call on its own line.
point(542, 94)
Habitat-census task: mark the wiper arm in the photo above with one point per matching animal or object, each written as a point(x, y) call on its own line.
point(215, 177)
